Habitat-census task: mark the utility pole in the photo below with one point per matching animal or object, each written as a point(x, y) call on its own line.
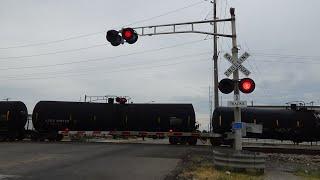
point(215, 56)
point(237, 110)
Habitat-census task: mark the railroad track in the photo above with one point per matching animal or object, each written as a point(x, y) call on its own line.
point(284, 150)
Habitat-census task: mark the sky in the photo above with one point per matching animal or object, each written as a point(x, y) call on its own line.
point(57, 50)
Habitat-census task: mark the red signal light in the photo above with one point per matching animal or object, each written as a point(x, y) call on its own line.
point(246, 85)
point(129, 35)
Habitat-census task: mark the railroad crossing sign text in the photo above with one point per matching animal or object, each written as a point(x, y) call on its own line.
point(236, 64)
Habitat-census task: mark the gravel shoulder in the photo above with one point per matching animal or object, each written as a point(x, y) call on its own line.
point(198, 164)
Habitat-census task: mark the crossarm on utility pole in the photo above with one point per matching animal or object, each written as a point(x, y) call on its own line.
point(186, 27)
point(179, 32)
point(185, 23)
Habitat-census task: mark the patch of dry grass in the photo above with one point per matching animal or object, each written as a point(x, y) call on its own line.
point(309, 175)
point(201, 168)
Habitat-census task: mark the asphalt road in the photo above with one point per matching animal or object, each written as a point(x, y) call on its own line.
point(59, 161)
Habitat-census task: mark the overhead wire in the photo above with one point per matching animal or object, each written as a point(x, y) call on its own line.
point(288, 62)
point(52, 53)
point(165, 14)
point(103, 68)
point(125, 69)
point(104, 58)
point(281, 57)
point(287, 56)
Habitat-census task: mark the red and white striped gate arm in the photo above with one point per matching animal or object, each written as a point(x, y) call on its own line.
point(138, 133)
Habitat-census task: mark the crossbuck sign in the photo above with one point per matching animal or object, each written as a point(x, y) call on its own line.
point(236, 64)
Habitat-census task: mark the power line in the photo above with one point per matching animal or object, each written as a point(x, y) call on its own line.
point(165, 14)
point(303, 58)
point(287, 56)
point(99, 32)
point(102, 68)
point(56, 52)
point(127, 69)
point(288, 62)
point(52, 42)
point(104, 58)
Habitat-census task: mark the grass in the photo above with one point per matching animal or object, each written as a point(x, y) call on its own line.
point(201, 168)
point(308, 174)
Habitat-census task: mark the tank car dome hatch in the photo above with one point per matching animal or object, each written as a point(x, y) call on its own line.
point(110, 100)
point(293, 106)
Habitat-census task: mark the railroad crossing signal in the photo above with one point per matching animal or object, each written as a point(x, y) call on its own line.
point(246, 85)
point(114, 38)
point(236, 64)
point(127, 34)
point(226, 86)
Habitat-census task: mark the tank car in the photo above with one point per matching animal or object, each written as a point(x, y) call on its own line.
point(13, 117)
point(49, 117)
point(297, 125)
point(161, 118)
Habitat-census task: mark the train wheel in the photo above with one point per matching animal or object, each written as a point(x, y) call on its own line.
point(21, 136)
point(33, 136)
point(59, 137)
point(215, 141)
point(51, 139)
point(173, 140)
point(2, 138)
point(183, 140)
point(192, 141)
point(11, 139)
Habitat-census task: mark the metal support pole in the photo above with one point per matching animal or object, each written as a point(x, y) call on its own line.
point(237, 110)
point(215, 56)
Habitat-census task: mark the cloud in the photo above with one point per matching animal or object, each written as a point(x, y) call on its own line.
point(269, 30)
